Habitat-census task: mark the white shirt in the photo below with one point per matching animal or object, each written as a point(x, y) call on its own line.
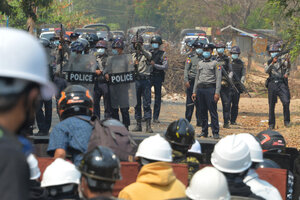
point(260, 187)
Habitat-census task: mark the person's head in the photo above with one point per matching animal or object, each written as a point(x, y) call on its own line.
point(198, 46)
point(67, 39)
point(231, 156)
point(181, 135)
point(100, 169)
point(271, 141)
point(156, 41)
point(208, 183)
point(273, 50)
point(75, 100)
point(235, 52)
point(256, 153)
point(92, 38)
point(101, 47)
point(207, 50)
point(23, 79)
point(220, 48)
point(117, 47)
point(35, 172)
point(154, 149)
point(77, 47)
point(74, 36)
point(136, 41)
point(61, 179)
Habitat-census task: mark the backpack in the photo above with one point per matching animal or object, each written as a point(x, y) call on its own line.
point(117, 138)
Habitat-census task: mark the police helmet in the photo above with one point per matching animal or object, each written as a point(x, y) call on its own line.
point(92, 38)
point(101, 44)
point(209, 46)
point(198, 44)
point(45, 42)
point(101, 168)
point(273, 48)
point(271, 141)
point(180, 134)
point(77, 46)
point(220, 45)
point(267, 163)
point(75, 100)
point(138, 39)
point(156, 39)
point(67, 38)
point(118, 44)
point(235, 50)
point(74, 35)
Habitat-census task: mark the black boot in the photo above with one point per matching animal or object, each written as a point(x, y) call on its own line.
point(148, 126)
point(138, 126)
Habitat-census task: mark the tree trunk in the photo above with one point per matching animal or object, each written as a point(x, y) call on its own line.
point(30, 25)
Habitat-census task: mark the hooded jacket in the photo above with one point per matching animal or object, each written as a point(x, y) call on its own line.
point(155, 181)
point(260, 187)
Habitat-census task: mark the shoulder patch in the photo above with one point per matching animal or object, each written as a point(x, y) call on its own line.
point(165, 58)
point(219, 67)
point(188, 60)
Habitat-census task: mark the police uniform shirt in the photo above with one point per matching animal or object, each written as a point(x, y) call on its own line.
point(209, 72)
point(190, 68)
point(238, 69)
point(278, 69)
point(72, 135)
point(163, 64)
point(143, 67)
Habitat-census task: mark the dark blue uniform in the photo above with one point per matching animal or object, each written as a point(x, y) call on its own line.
point(278, 87)
point(190, 71)
point(43, 120)
point(157, 78)
point(101, 90)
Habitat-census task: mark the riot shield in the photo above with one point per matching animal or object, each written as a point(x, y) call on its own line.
point(81, 70)
point(121, 80)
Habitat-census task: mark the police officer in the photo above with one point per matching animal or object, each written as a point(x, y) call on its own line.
point(225, 86)
point(117, 49)
point(190, 71)
point(159, 62)
point(207, 90)
point(143, 70)
point(239, 74)
point(278, 70)
point(72, 134)
point(100, 169)
point(180, 134)
point(101, 86)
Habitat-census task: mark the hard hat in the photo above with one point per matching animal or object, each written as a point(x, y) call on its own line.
point(220, 45)
point(117, 44)
point(196, 148)
point(27, 62)
point(274, 48)
point(198, 44)
point(231, 155)
point(75, 100)
point(60, 172)
point(156, 39)
point(271, 141)
point(101, 44)
point(181, 135)
point(254, 146)
point(209, 46)
point(138, 39)
point(235, 50)
point(155, 148)
point(34, 167)
point(208, 183)
point(100, 166)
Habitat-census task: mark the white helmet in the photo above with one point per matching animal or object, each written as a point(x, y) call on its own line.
point(196, 148)
point(60, 172)
point(155, 148)
point(231, 155)
point(208, 183)
point(254, 146)
point(23, 58)
point(34, 167)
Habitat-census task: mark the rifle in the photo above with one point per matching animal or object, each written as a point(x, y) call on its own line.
point(137, 52)
point(62, 43)
point(224, 73)
point(241, 85)
point(280, 54)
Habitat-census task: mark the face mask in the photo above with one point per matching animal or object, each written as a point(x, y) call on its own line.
point(115, 51)
point(199, 51)
point(56, 42)
point(234, 56)
point(220, 50)
point(155, 45)
point(206, 54)
point(273, 54)
point(101, 51)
